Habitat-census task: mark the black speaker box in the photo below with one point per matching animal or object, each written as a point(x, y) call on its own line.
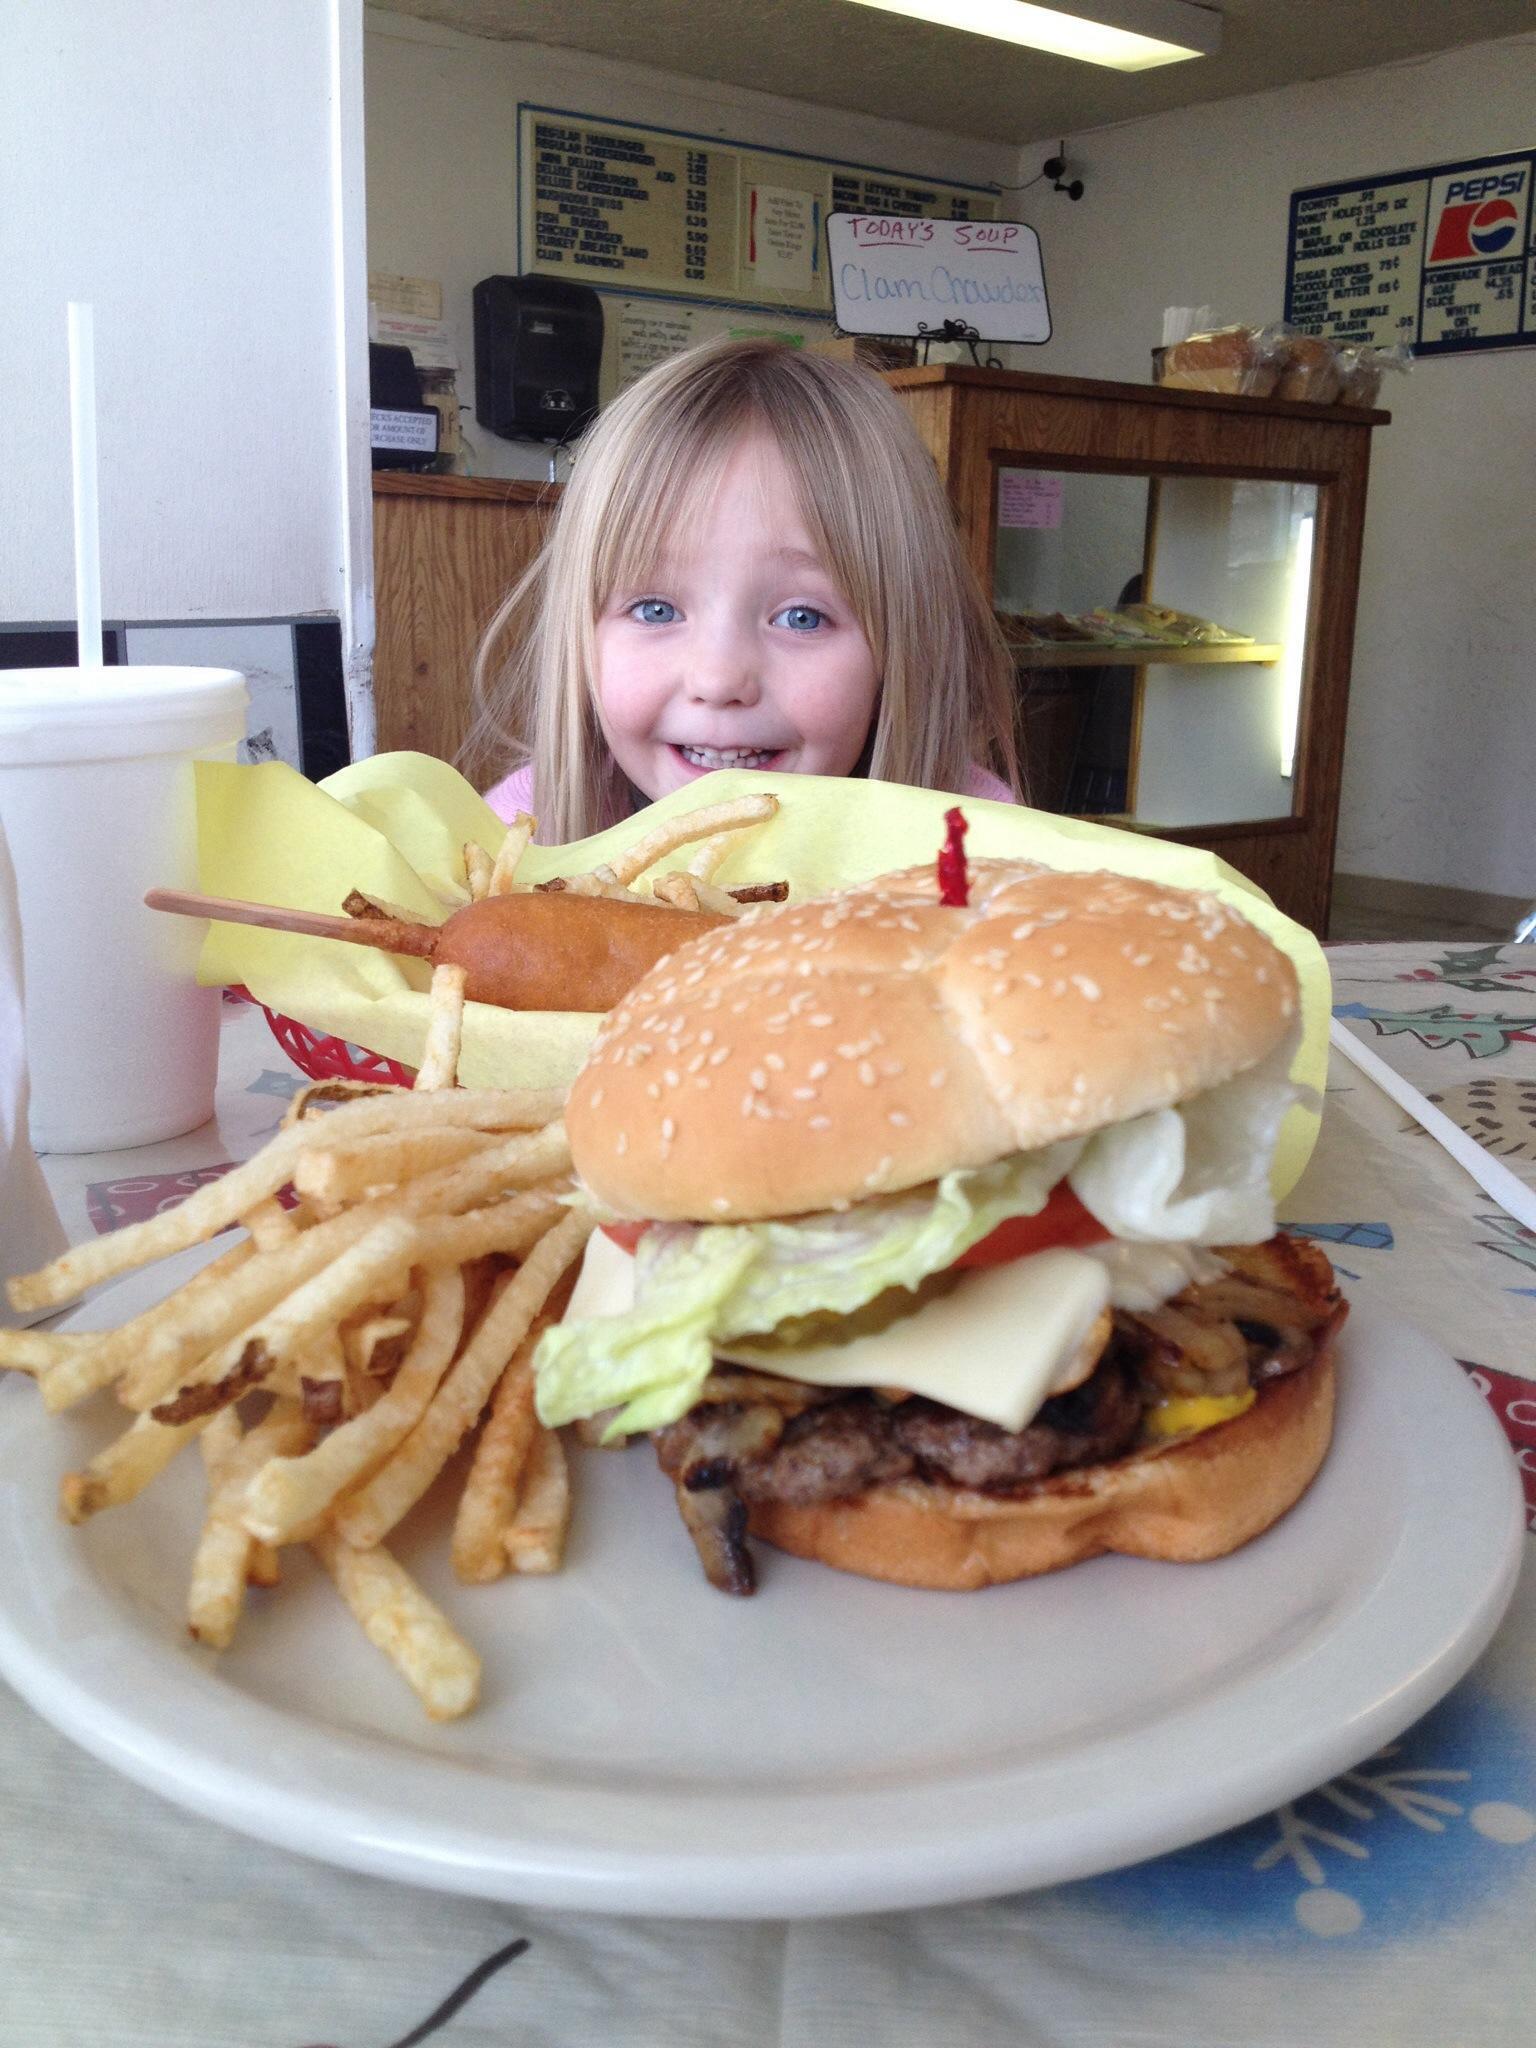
point(538, 348)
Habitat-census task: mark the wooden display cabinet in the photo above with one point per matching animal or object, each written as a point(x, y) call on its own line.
point(1244, 512)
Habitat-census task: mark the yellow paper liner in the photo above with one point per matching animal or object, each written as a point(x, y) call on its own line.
point(395, 825)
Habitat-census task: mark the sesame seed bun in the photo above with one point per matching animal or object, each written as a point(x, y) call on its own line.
point(816, 1055)
point(1198, 1497)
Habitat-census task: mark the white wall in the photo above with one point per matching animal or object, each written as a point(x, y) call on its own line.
point(179, 164)
point(442, 149)
point(1190, 208)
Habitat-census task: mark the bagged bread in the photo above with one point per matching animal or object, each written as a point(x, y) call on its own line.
point(1240, 360)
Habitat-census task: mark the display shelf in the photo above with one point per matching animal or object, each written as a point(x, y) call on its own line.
point(1222, 507)
point(1078, 654)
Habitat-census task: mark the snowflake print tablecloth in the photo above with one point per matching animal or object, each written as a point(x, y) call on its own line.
point(1393, 1907)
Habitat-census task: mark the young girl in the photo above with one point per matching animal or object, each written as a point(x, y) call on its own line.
point(754, 565)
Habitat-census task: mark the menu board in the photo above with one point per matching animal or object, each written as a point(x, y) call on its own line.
point(1442, 258)
point(652, 211)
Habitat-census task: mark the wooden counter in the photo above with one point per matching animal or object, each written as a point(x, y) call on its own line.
point(446, 550)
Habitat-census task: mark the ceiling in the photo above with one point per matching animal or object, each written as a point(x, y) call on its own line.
point(835, 55)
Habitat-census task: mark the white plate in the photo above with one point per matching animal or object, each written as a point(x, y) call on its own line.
point(648, 1745)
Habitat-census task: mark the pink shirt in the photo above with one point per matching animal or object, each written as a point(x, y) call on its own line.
point(514, 792)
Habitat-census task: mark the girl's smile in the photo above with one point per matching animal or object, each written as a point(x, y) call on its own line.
point(742, 652)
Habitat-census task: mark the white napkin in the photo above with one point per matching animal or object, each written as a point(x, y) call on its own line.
point(30, 1230)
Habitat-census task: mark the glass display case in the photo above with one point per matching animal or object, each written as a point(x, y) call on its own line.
point(1175, 572)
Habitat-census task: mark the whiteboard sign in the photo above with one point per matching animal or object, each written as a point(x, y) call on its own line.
point(896, 275)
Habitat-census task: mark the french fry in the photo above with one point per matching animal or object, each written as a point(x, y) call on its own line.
point(34, 1351)
point(365, 1108)
point(288, 1492)
point(703, 823)
point(213, 1207)
point(490, 1492)
point(689, 892)
point(124, 1468)
point(398, 1618)
point(216, 1304)
point(362, 1341)
point(445, 1029)
point(477, 871)
point(221, 1562)
point(535, 1537)
point(321, 1373)
point(348, 1172)
point(509, 854)
point(196, 1324)
point(369, 1515)
point(679, 890)
point(270, 1225)
point(358, 904)
point(708, 856)
point(374, 1268)
point(600, 882)
point(100, 1361)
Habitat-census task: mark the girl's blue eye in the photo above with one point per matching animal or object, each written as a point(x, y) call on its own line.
point(800, 618)
point(653, 611)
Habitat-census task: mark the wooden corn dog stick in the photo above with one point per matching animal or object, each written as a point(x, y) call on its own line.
point(519, 952)
point(390, 935)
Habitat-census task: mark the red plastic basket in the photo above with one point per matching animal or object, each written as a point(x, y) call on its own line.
point(326, 1058)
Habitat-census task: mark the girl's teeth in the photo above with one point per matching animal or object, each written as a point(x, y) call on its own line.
point(726, 757)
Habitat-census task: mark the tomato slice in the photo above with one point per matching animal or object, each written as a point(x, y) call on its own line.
point(1063, 1221)
point(625, 1235)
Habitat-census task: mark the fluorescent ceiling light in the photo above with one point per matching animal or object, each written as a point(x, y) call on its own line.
point(1127, 35)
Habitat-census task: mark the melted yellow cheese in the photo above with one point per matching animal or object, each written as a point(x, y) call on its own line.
point(1002, 1342)
point(1185, 1414)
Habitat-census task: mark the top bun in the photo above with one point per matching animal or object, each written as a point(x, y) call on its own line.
point(809, 1057)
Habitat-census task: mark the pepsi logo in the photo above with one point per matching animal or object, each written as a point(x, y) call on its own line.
point(1493, 226)
point(1469, 233)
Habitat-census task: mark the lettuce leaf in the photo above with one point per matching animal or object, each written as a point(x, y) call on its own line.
point(695, 1285)
point(1197, 1174)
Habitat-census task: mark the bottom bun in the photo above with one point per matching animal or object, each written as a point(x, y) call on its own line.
point(1185, 1501)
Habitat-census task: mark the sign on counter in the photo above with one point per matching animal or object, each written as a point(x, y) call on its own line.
point(907, 277)
point(652, 210)
point(1441, 258)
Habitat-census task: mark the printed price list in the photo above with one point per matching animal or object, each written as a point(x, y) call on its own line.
point(635, 209)
point(607, 204)
point(1440, 258)
point(870, 192)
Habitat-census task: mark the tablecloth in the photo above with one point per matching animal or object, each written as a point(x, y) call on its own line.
point(1393, 1907)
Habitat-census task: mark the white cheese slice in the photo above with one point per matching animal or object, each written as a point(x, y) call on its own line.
point(999, 1345)
point(993, 1347)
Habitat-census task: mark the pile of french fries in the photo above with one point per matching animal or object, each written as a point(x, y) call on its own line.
point(403, 1251)
point(711, 830)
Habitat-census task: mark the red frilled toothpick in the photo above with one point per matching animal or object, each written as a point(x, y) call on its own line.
point(954, 883)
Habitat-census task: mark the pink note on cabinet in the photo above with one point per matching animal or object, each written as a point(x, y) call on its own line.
point(1025, 499)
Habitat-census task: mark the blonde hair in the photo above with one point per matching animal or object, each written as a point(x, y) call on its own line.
point(876, 514)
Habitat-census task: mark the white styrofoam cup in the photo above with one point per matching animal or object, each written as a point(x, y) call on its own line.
point(97, 798)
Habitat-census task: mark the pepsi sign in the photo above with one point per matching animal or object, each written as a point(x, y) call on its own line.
point(1442, 258)
point(1479, 217)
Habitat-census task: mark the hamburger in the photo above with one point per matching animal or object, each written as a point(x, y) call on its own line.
point(939, 1241)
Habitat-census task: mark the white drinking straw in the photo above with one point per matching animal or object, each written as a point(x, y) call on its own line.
point(82, 450)
point(1513, 1196)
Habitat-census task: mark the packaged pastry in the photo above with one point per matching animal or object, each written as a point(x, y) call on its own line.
point(1241, 360)
point(1310, 371)
point(1361, 368)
